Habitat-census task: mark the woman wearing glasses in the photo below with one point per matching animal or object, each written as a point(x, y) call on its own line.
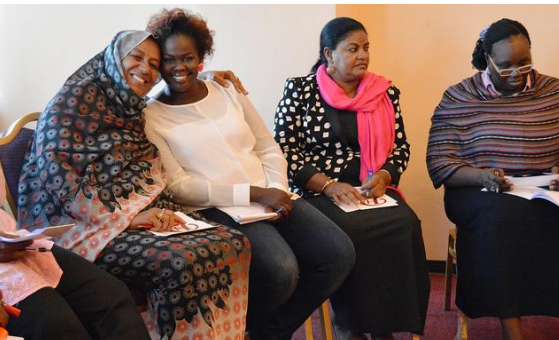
point(504, 120)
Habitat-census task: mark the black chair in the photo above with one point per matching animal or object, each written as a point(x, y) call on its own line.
point(13, 146)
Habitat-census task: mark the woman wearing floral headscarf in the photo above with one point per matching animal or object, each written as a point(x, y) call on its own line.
point(91, 163)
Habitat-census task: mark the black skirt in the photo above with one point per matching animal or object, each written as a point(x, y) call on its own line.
point(507, 253)
point(388, 289)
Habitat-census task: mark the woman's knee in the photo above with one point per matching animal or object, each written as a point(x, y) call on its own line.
point(114, 290)
point(46, 315)
point(279, 274)
point(339, 254)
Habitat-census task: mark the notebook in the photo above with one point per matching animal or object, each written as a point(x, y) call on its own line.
point(248, 214)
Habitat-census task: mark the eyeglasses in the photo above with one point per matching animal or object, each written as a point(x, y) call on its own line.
point(505, 72)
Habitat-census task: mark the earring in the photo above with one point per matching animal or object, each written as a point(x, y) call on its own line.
point(200, 67)
point(330, 69)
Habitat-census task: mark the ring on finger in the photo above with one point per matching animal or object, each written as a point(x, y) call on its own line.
point(161, 214)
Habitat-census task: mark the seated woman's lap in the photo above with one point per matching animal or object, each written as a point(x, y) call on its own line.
point(50, 315)
point(505, 244)
point(307, 238)
point(307, 241)
point(71, 311)
point(364, 225)
point(180, 270)
point(390, 268)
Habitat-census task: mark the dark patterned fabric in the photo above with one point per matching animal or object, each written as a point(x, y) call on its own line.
point(309, 132)
point(91, 163)
point(185, 274)
point(90, 157)
point(12, 156)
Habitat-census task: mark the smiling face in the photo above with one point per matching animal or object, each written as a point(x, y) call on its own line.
point(513, 52)
point(180, 63)
point(350, 58)
point(141, 66)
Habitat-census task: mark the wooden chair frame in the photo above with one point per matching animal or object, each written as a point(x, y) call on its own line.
point(326, 325)
point(462, 323)
point(9, 136)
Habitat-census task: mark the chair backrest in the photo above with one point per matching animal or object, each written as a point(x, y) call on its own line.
point(13, 146)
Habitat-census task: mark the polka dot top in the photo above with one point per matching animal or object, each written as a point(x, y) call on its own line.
point(316, 137)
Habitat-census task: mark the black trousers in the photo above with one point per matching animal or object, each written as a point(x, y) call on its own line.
point(87, 304)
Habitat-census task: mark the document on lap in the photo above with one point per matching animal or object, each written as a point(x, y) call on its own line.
point(190, 226)
point(384, 201)
point(24, 235)
point(252, 213)
point(248, 214)
point(532, 181)
point(531, 193)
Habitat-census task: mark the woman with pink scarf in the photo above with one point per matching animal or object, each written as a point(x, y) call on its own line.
point(342, 133)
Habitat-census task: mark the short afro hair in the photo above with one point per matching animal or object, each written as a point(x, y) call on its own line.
point(181, 21)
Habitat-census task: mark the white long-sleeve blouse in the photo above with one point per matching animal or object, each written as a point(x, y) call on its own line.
point(215, 149)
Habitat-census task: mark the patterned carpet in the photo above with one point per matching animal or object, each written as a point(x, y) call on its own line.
point(441, 325)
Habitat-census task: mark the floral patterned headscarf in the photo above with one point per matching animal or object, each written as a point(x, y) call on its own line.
point(90, 161)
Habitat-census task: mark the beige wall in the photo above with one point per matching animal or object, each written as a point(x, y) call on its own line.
point(426, 48)
point(41, 45)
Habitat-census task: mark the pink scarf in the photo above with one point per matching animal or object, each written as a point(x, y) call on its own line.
point(375, 116)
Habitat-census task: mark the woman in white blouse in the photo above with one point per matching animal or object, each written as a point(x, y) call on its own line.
point(218, 152)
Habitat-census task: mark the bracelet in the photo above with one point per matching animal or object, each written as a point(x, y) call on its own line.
point(328, 182)
point(389, 175)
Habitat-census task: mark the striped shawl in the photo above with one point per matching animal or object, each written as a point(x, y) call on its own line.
point(518, 133)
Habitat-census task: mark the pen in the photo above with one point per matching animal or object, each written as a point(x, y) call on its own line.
point(40, 250)
point(370, 178)
point(280, 210)
point(13, 311)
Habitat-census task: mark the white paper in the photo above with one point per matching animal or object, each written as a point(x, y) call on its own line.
point(24, 235)
point(252, 213)
point(248, 214)
point(384, 201)
point(191, 226)
point(531, 193)
point(532, 181)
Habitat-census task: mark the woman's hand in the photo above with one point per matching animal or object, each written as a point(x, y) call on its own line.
point(221, 78)
point(13, 251)
point(344, 193)
point(275, 200)
point(4, 317)
point(155, 219)
point(494, 180)
point(554, 185)
point(377, 186)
